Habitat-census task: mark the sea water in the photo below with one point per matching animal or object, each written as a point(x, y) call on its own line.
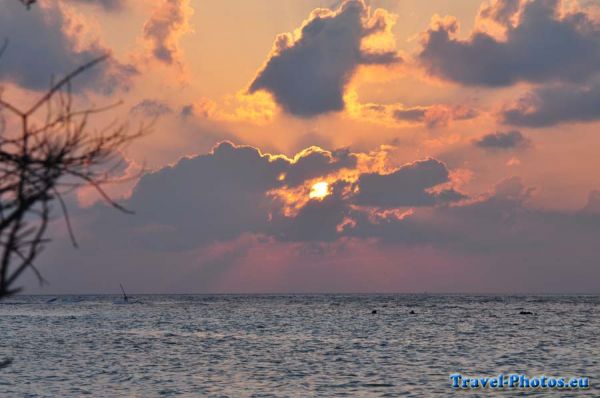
point(292, 345)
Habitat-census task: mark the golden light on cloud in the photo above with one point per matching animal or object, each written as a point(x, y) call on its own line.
point(319, 190)
point(295, 197)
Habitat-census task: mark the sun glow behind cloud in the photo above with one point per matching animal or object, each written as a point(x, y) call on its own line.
point(319, 190)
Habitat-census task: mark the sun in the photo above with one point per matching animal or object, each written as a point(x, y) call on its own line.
point(319, 190)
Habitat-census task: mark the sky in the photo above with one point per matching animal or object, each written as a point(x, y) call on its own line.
point(327, 146)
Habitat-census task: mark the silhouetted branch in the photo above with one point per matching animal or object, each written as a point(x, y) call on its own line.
point(35, 161)
point(3, 47)
point(65, 81)
point(28, 3)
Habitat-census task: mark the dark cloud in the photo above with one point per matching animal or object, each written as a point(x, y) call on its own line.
point(206, 198)
point(502, 140)
point(547, 106)
point(500, 221)
point(408, 186)
point(43, 49)
point(307, 75)
point(225, 194)
point(187, 111)
point(542, 47)
point(317, 221)
point(221, 195)
point(151, 108)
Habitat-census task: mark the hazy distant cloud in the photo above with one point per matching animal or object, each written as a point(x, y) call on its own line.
point(543, 46)
point(40, 48)
point(550, 105)
point(307, 74)
point(151, 108)
point(434, 116)
point(408, 186)
point(502, 140)
point(164, 28)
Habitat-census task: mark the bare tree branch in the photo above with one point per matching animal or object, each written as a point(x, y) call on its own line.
point(28, 3)
point(65, 81)
point(40, 163)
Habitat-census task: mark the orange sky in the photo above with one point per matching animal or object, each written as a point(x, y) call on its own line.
point(391, 82)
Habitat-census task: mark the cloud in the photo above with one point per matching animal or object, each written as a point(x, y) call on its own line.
point(308, 71)
point(432, 116)
point(501, 11)
point(547, 106)
point(502, 140)
point(48, 48)
point(541, 45)
point(315, 221)
point(107, 5)
point(151, 108)
point(221, 195)
point(206, 198)
point(236, 190)
point(313, 162)
point(435, 115)
point(408, 186)
point(410, 114)
point(163, 30)
point(496, 222)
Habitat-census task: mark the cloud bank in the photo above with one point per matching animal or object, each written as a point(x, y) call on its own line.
point(210, 220)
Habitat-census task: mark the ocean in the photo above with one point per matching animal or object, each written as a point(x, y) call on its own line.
point(292, 345)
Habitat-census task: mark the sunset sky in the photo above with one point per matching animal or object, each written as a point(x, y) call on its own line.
point(328, 146)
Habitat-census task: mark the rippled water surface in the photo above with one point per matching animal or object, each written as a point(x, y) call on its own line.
point(290, 346)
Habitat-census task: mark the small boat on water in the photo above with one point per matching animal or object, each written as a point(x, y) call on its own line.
point(125, 299)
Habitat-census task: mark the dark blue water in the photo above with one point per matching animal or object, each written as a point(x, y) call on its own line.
point(291, 346)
